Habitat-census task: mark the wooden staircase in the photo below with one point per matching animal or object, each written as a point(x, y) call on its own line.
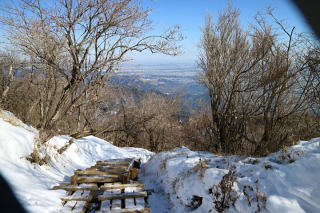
point(109, 186)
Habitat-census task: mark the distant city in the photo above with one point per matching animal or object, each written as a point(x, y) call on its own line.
point(169, 79)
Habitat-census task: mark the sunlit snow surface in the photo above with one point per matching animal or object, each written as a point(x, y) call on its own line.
point(31, 183)
point(290, 180)
point(291, 184)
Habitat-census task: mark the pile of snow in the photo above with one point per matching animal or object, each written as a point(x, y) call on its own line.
point(287, 181)
point(32, 183)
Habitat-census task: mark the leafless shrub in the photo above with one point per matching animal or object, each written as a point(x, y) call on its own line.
point(200, 168)
point(254, 76)
point(254, 195)
point(223, 194)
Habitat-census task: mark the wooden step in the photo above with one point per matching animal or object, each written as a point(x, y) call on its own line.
point(69, 187)
point(94, 172)
point(118, 194)
point(107, 205)
point(108, 196)
point(131, 206)
point(75, 207)
point(95, 179)
point(109, 167)
point(121, 161)
point(121, 164)
point(79, 195)
point(108, 186)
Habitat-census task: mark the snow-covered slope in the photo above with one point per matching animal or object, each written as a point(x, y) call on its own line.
point(182, 180)
point(30, 182)
point(286, 181)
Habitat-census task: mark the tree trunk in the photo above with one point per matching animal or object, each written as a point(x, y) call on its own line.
point(10, 79)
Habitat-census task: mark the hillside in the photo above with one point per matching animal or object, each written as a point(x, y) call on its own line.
point(182, 180)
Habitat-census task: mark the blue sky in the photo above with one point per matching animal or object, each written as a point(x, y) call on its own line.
point(189, 14)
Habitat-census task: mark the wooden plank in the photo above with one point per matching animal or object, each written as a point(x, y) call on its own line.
point(113, 163)
point(106, 205)
point(79, 196)
point(93, 172)
point(104, 167)
point(103, 170)
point(103, 175)
point(108, 196)
point(75, 206)
point(116, 205)
point(70, 187)
point(133, 173)
point(116, 160)
point(108, 186)
point(124, 178)
point(95, 179)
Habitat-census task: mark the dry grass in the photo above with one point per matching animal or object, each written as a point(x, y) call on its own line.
point(10, 118)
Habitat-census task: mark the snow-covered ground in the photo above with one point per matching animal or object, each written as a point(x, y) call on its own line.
point(286, 181)
point(32, 183)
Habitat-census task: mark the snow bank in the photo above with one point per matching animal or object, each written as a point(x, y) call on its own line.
point(289, 180)
point(32, 183)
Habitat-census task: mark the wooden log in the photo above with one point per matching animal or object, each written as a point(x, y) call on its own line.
point(108, 167)
point(70, 187)
point(133, 173)
point(73, 180)
point(105, 170)
point(95, 179)
point(108, 186)
point(125, 178)
point(116, 160)
point(108, 196)
point(94, 172)
point(113, 163)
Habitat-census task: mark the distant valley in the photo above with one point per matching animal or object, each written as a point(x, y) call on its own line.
point(168, 79)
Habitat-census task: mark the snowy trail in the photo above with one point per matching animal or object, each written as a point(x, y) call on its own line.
point(158, 200)
point(32, 183)
point(288, 180)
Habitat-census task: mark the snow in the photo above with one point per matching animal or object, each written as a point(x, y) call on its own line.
point(288, 180)
point(32, 183)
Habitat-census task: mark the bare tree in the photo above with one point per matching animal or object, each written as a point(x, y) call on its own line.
point(9, 63)
point(281, 92)
point(76, 43)
point(254, 76)
point(227, 58)
point(161, 127)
